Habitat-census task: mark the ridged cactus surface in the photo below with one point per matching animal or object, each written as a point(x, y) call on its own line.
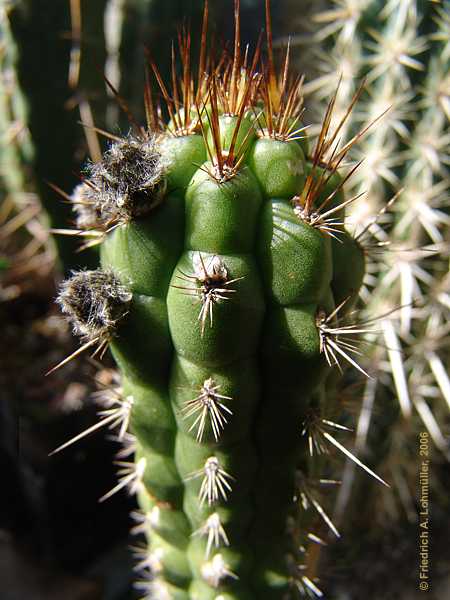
point(226, 272)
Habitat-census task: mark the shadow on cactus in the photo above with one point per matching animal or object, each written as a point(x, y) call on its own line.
point(226, 294)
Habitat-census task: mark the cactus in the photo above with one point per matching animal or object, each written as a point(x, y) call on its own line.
point(26, 252)
point(225, 296)
point(34, 34)
point(403, 52)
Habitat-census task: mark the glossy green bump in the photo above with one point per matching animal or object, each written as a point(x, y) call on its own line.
point(143, 251)
point(182, 155)
point(143, 357)
point(236, 518)
point(171, 525)
point(161, 477)
point(291, 332)
point(152, 419)
point(243, 137)
point(222, 217)
point(236, 564)
point(278, 166)
point(237, 310)
point(295, 258)
point(192, 458)
point(168, 561)
point(293, 125)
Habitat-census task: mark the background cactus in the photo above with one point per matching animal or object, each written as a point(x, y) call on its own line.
point(403, 53)
point(20, 209)
point(41, 80)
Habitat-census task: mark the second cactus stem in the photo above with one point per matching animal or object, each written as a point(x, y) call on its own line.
point(226, 273)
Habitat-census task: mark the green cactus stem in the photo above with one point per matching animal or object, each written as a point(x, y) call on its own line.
point(220, 295)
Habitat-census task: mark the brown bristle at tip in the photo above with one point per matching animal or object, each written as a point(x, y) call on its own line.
point(176, 98)
point(329, 157)
point(325, 142)
point(234, 83)
point(202, 74)
point(226, 164)
point(281, 94)
point(186, 92)
point(187, 78)
point(151, 112)
point(272, 82)
point(165, 94)
point(125, 108)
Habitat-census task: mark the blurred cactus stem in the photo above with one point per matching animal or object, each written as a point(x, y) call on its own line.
point(403, 52)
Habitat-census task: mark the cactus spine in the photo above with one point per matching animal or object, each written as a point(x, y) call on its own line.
point(222, 293)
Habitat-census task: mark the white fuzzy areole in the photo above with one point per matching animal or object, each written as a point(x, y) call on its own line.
point(154, 516)
point(216, 570)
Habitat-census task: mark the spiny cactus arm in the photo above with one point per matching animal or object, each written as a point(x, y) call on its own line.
point(216, 297)
point(215, 385)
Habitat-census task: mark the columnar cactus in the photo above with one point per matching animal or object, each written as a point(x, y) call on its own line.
point(34, 34)
point(226, 273)
point(24, 240)
point(403, 51)
point(16, 147)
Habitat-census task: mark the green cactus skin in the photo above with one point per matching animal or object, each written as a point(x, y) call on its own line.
point(221, 351)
